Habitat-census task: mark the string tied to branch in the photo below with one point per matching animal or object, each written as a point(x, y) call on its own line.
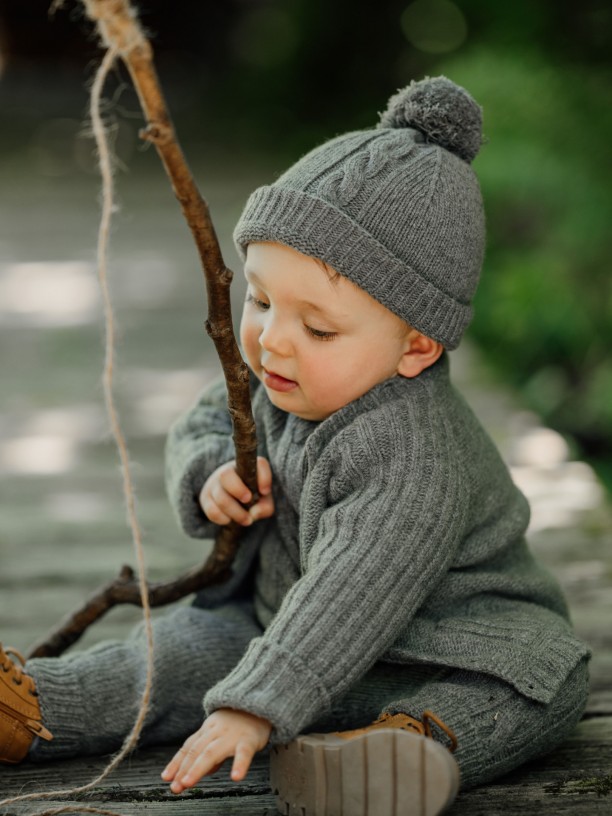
point(120, 32)
point(118, 26)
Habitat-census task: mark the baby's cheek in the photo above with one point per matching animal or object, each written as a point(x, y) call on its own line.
point(251, 352)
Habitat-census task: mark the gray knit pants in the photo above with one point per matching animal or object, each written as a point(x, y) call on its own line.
point(89, 699)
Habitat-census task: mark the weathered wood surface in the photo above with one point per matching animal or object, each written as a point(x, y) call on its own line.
point(62, 528)
point(577, 779)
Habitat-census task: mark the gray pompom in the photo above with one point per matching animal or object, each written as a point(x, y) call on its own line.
point(443, 112)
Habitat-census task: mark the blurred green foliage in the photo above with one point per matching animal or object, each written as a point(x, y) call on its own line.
point(544, 307)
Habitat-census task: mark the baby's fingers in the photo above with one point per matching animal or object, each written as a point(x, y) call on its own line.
point(264, 508)
point(201, 759)
point(224, 495)
point(231, 482)
point(242, 761)
point(222, 508)
point(264, 476)
point(172, 767)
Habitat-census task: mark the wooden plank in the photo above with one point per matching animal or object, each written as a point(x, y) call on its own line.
point(136, 787)
point(600, 702)
point(575, 779)
point(529, 801)
point(231, 806)
point(139, 774)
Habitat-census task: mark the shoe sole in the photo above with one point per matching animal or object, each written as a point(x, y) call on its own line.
point(387, 772)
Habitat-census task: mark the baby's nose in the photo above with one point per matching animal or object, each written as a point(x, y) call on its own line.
point(274, 339)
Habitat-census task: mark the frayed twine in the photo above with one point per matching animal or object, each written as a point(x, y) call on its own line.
point(108, 207)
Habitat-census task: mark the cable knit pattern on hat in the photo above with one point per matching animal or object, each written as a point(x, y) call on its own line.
point(396, 209)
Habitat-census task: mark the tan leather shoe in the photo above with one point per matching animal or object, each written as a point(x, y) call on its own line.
point(406, 723)
point(20, 718)
point(393, 767)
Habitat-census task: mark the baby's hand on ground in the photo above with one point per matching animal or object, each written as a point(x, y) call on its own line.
point(224, 494)
point(226, 733)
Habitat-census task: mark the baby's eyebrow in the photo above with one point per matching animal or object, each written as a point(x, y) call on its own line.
point(314, 307)
point(333, 318)
point(251, 276)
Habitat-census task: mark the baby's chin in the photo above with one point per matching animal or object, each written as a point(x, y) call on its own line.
point(291, 404)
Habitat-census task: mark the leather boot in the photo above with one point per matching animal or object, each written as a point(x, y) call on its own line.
point(393, 767)
point(20, 718)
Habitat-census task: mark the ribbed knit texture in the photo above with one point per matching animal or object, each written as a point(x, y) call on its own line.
point(498, 730)
point(89, 699)
point(398, 536)
point(396, 209)
point(394, 576)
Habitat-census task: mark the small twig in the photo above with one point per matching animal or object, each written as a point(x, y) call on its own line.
point(124, 589)
point(119, 28)
point(120, 31)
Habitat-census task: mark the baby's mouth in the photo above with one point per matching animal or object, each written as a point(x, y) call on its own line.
point(278, 383)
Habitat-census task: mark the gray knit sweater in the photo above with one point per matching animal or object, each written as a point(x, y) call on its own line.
point(398, 536)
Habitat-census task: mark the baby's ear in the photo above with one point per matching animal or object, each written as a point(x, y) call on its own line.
point(421, 352)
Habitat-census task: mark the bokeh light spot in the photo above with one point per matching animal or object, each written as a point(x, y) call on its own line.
point(48, 293)
point(38, 455)
point(434, 26)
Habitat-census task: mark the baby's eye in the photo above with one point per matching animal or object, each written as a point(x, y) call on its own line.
point(320, 335)
point(259, 304)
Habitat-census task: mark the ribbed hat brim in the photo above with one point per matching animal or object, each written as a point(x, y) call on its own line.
point(316, 228)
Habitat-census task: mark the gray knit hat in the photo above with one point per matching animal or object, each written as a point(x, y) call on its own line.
point(396, 209)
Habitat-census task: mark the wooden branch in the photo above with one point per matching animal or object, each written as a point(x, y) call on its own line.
point(124, 589)
point(120, 30)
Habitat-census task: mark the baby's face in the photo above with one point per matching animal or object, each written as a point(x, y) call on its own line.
point(315, 342)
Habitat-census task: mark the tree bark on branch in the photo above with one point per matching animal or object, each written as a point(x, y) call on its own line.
point(120, 30)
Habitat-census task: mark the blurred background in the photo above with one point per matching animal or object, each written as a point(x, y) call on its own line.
point(265, 80)
point(251, 85)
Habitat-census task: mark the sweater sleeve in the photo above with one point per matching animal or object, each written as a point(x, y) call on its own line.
point(197, 444)
point(370, 558)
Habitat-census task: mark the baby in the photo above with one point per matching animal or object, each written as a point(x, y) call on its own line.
point(385, 620)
